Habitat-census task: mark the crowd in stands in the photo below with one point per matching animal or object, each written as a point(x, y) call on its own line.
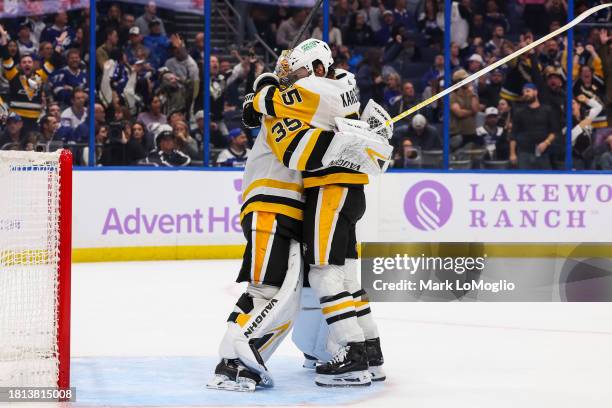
point(44, 86)
point(149, 104)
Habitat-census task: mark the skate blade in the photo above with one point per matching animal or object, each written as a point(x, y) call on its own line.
point(353, 379)
point(225, 384)
point(309, 364)
point(377, 373)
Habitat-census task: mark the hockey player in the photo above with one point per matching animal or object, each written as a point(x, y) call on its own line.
point(335, 201)
point(271, 218)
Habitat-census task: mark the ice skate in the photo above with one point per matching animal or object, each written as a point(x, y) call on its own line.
point(348, 368)
point(375, 359)
point(232, 375)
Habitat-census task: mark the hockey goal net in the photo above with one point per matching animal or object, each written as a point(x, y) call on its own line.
point(35, 235)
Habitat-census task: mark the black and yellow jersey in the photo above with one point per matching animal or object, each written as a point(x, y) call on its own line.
point(25, 93)
point(299, 121)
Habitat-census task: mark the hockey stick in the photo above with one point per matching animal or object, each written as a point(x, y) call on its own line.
point(496, 64)
point(306, 24)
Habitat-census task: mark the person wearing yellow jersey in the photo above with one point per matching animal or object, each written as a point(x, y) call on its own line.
point(26, 82)
point(299, 123)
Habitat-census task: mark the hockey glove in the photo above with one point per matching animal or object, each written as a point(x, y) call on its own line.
point(250, 117)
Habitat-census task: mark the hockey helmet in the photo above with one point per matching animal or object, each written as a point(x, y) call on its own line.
point(304, 55)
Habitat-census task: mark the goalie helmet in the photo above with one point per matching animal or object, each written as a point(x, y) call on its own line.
point(303, 56)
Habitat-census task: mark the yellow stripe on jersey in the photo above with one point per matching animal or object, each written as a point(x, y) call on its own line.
point(263, 231)
point(283, 185)
point(308, 150)
point(25, 113)
point(331, 196)
point(336, 178)
point(291, 212)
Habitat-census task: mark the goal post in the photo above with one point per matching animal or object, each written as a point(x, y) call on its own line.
point(35, 262)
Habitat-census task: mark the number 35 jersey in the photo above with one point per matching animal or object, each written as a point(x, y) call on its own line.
point(287, 153)
point(306, 113)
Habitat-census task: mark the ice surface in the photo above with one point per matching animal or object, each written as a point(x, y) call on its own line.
point(146, 334)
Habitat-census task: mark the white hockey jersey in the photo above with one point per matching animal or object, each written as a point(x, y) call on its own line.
point(308, 110)
point(289, 148)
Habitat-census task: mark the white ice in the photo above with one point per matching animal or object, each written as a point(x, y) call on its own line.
point(145, 325)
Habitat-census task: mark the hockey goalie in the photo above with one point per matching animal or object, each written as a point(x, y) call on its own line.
point(303, 193)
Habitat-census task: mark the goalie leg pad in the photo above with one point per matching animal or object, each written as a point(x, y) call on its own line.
point(311, 332)
point(259, 334)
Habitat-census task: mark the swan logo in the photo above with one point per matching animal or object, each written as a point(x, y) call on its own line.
point(428, 205)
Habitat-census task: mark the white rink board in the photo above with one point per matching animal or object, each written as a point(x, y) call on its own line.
point(197, 208)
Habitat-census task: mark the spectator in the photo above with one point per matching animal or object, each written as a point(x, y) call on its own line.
point(423, 135)
point(495, 45)
point(475, 64)
point(127, 23)
point(405, 101)
point(289, 29)
point(197, 52)
point(591, 86)
point(59, 29)
point(157, 43)
point(402, 17)
point(174, 95)
point(489, 94)
point(102, 152)
point(99, 115)
point(455, 60)
point(13, 132)
point(342, 13)
point(369, 77)
point(392, 88)
point(138, 144)
point(532, 132)
point(534, 14)
point(104, 51)
point(69, 78)
point(404, 155)
point(605, 52)
point(166, 154)
point(551, 54)
point(25, 42)
point(237, 152)
point(478, 29)
point(77, 112)
point(184, 142)
point(493, 137)
point(335, 35)
point(556, 10)
point(153, 116)
point(134, 43)
point(505, 115)
point(48, 129)
point(464, 105)
point(373, 15)
point(430, 25)
point(197, 132)
point(181, 64)
point(54, 109)
point(493, 16)
point(150, 14)
point(112, 20)
point(583, 112)
point(358, 33)
point(384, 35)
point(436, 71)
point(37, 26)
